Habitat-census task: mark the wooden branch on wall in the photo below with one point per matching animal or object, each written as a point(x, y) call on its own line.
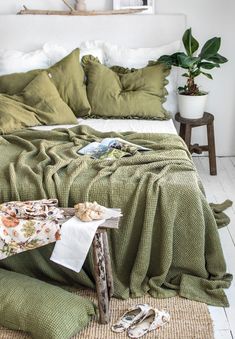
point(73, 12)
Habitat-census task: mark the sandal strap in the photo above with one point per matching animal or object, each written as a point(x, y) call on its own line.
point(143, 309)
point(124, 323)
point(161, 318)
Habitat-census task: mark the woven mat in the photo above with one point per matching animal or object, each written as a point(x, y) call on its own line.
point(189, 320)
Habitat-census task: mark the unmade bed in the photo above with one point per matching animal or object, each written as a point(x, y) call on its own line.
point(167, 242)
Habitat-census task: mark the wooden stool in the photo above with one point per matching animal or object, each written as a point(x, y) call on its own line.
point(186, 126)
point(102, 265)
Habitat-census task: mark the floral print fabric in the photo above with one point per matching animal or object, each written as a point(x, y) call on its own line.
point(28, 225)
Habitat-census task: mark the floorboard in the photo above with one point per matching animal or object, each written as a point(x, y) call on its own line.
point(223, 334)
point(218, 188)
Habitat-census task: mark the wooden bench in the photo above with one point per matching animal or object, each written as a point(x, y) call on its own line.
point(102, 265)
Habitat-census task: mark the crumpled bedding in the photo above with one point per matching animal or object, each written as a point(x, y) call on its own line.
point(167, 242)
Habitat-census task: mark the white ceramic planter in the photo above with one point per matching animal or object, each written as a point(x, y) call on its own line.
point(192, 106)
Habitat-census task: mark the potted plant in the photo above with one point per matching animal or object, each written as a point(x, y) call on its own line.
point(192, 99)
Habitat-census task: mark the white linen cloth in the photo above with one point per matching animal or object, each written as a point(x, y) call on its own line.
point(76, 239)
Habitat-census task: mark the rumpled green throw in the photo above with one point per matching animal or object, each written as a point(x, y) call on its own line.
point(167, 242)
point(43, 310)
point(221, 218)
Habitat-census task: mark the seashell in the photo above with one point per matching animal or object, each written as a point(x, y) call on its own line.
point(84, 216)
point(89, 211)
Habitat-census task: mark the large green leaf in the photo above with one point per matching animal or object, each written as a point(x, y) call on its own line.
point(190, 43)
point(175, 58)
point(208, 65)
point(207, 75)
point(182, 89)
point(210, 48)
point(171, 60)
point(196, 73)
point(217, 58)
point(166, 59)
point(186, 61)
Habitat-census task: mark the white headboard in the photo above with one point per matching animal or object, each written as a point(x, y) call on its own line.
point(27, 32)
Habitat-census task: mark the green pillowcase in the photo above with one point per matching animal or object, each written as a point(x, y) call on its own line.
point(43, 310)
point(68, 77)
point(15, 83)
point(38, 104)
point(42, 95)
point(126, 93)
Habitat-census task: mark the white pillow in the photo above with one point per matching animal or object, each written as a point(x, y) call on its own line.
point(139, 57)
point(136, 57)
point(54, 52)
point(16, 61)
point(96, 52)
point(12, 61)
point(93, 44)
point(93, 47)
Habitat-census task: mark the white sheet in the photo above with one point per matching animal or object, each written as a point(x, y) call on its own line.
point(120, 125)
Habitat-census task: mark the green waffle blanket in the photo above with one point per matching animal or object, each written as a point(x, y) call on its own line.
point(167, 242)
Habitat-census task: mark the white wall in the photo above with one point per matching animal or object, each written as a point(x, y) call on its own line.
point(214, 18)
point(207, 18)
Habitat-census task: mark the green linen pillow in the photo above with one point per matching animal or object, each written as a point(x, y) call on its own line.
point(43, 310)
point(9, 121)
point(68, 77)
point(38, 104)
point(42, 95)
point(126, 93)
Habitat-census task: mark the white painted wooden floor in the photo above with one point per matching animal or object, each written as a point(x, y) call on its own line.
point(218, 188)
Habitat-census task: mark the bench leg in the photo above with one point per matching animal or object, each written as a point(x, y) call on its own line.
point(211, 149)
point(100, 278)
point(108, 265)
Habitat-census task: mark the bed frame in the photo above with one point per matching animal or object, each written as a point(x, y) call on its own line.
point(28, 32)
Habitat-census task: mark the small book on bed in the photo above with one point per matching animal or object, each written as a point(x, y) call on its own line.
point(111, 148)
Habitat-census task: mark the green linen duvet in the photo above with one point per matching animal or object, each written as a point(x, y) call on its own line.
point(168, 241)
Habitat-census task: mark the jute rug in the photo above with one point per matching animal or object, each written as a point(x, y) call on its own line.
point(189, 320)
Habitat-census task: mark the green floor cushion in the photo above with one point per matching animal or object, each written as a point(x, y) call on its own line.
point(119, 92)
point(68, 77)
point(43, 310)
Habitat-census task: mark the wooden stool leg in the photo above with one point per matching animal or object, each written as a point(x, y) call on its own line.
point(100, 278)
point(211, 148)
point(187, 138)
point(182, 130)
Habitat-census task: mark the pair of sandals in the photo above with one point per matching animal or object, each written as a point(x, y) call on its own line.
point(140, 320)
